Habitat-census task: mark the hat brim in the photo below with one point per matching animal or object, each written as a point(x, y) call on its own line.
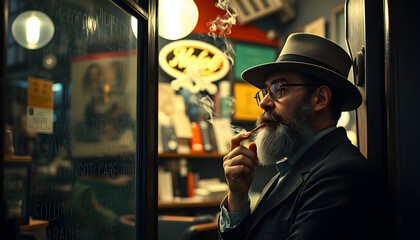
point(349, 94)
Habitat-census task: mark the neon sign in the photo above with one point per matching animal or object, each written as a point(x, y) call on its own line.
point(210, 62)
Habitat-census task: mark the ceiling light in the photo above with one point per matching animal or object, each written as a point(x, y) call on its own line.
point(32, 29)
point(177, 18)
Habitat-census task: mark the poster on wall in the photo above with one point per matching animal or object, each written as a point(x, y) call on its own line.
point(103, 105)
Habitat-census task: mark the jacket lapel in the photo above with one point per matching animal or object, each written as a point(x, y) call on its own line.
point(296, 175)
point(267, 190)
point(279, 193)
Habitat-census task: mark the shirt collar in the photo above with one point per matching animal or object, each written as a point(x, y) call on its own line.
point(282, 167)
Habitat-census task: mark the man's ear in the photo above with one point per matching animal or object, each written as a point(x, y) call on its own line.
point(322, 97)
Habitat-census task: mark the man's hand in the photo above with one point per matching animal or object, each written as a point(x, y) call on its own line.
point(239, 166)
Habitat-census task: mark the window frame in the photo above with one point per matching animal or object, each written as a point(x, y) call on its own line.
point(146, 144)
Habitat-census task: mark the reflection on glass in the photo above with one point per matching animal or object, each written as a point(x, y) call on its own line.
point(134, 25)
point(101, 103)
point(82, 178)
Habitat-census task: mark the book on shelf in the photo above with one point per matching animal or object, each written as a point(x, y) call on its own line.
point(183, 128)
point(196, 140)
point(165, 189)
point(207, 136)
point(167, 132)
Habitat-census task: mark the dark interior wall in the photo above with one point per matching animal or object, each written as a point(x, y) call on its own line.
point(404, 116)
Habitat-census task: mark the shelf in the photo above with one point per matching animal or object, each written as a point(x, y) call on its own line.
point(191, 155)
point(15, 158)
point(35, 224)
point(188, 204)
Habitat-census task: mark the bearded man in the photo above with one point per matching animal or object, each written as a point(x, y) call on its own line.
point(325, 188)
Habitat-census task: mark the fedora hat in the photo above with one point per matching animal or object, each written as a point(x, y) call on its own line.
point(312, 55)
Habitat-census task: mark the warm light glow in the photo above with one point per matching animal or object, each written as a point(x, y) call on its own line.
point(33, 26)
point(194, 65)
point(32, 29)
point(107, 88)
point(171, 12)
point(90, 25)
point(49, 61)
point(177, 18)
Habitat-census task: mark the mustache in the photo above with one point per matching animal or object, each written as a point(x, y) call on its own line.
point(269, 116)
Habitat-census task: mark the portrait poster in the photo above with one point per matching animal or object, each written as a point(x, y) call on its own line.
point(103, 104)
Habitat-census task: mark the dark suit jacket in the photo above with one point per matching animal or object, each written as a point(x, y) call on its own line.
point(329, 193)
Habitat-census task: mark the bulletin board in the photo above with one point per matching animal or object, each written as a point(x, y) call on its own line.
point(249, 55)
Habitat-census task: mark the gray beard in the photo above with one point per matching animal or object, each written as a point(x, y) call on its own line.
point(274, 144)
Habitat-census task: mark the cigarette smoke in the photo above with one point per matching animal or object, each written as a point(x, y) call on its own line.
point(208, 105)
point(223, 25)
point(220, 28)
point(193, 81)
point(237, 129)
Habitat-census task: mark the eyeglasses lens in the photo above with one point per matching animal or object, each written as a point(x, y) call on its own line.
point(260, 96)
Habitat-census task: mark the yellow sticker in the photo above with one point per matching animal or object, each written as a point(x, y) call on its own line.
point(40, 106)
point(40, 93)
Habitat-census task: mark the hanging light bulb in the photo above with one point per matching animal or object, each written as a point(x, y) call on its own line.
point(177, 18)
point(33, 26)
point(32, 29)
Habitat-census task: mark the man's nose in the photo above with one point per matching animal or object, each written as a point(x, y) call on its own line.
point(267, 103)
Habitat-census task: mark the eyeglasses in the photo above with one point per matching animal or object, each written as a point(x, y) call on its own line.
point(275, 91)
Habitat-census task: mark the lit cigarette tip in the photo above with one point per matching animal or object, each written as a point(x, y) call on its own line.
point(258, 127)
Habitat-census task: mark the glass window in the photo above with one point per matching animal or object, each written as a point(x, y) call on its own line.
point(71, 119)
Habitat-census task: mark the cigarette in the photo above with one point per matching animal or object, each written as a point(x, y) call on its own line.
point(258, 127)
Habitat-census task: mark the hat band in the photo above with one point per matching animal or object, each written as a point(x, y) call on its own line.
point(303, 59)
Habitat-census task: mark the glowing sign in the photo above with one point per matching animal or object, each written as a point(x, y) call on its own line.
point(210, 62)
